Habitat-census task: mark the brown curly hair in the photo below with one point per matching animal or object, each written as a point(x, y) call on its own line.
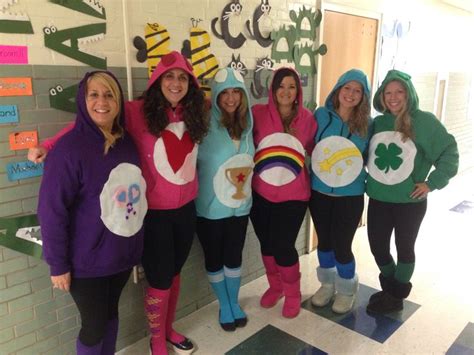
point(236, 123)
point(359, 120)
point(195, 110)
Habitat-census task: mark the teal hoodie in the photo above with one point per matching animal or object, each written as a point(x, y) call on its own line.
point(394, 165)
point(225, 172)
point(337, 164)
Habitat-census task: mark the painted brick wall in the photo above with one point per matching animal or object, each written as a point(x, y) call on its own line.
point(34, 318)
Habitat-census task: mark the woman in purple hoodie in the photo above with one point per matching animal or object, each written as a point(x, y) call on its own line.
point(91, 208)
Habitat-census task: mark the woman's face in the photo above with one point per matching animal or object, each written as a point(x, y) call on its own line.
point(395, 97)
point(229, 100)
point(286, 92)
point(101, 105)
point(174, 85)
point(350, 95)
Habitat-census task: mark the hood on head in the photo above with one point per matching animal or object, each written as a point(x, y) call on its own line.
point(350, 75)
point(173, 60)
point(405, 79)
point(82, 116)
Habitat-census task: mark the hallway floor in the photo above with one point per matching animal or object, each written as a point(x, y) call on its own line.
point(438, 317)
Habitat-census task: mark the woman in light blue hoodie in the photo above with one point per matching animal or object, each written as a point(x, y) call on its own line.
point(338, 185)
point(225, 167)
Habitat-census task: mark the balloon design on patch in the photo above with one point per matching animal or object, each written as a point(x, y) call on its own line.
point(279, 159)
point(126, 199)
point(336, 161)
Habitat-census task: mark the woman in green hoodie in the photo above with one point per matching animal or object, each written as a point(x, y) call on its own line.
point(406, 144)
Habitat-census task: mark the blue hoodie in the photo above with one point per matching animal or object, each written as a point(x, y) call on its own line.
point(225, 172)
point(337, 164)
point(91, 206)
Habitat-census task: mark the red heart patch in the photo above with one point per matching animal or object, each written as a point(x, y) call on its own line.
point(177, 149)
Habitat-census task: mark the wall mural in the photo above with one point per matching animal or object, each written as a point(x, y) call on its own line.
point(11, 22)
point(22, 234)
point(236, 64)
point(233, 8)
point(88, 7)
point(262, 10)
point(63, 99)
point(261, 78)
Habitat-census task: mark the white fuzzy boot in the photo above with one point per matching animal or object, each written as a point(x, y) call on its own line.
point(326, 292)
point(346, 290)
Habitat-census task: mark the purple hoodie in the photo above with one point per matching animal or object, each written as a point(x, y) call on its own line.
point(91, 206)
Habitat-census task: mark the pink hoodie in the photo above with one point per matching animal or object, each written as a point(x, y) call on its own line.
point(280, 173)
point(169, 162)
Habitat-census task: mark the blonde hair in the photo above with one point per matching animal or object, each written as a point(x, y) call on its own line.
point(111, 85)
point(237, 123)
point(359, 121)
point(403, 118)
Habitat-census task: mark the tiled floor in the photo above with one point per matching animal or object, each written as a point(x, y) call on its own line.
point(438, 316)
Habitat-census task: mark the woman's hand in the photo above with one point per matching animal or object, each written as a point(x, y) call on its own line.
point(63, 282)
point(421, 190)
point(37, 154)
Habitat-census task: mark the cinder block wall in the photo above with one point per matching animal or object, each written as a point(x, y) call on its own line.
point(34, 318)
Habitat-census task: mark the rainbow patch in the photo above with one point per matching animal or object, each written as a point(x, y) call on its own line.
point(279, 156)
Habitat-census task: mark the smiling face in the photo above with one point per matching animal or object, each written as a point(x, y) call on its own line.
point(350, 95)
point(102, 105)
point(174, 85)
point(229, 100)
point(395, 97)
point(287, 92)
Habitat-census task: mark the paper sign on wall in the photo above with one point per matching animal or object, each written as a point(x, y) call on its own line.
point(23, 140)
point(8, 114)
point(24, 170)
point(15, 87)
point(13, 54)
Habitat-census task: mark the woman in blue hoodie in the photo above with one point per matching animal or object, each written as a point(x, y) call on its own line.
point(338, 185)
point(225, 165)
point(91, 209)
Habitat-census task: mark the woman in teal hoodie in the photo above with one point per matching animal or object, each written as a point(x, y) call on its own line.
point(406, 145)
point(338, 185)
point(225, 166)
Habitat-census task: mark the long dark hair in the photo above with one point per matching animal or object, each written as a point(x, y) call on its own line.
point(236, 123)
point(194, 110)
point(277, 79)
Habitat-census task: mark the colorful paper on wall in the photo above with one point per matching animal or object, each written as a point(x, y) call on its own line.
point(23, 140)
point(8, 114)
point(22, 234)
point(12, 22)
point(13, 54)
point(15, 87)
point(24, 170)
point(63, 99)
point(92, 8)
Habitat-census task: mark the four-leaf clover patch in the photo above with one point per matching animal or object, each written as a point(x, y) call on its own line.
point(388, 157)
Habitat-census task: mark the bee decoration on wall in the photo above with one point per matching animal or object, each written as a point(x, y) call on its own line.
point(262, 10)
point(232, 8)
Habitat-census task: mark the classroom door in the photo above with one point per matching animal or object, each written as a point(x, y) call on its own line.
point(351, 42)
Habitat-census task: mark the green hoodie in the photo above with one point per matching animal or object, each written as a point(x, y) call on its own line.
point(394, 165)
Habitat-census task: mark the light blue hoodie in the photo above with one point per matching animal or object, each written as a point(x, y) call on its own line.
point(225, 172)
point(337, 164)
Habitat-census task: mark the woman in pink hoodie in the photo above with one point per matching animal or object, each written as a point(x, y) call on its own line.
point(283, 135)
point(166, 123)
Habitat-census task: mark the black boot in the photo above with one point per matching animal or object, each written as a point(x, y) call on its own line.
point(385, 284)
point(390, 301)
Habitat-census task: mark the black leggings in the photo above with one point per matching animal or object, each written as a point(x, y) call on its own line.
point(168, 239)
point(222, 241)
point(336, 220)
point(277, 226)
point(404, 218)
point(97, 299)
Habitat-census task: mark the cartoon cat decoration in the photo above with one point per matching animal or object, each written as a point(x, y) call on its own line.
point(258, 15)
point(261, 78)
point(238, 65)
point(233, 8)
